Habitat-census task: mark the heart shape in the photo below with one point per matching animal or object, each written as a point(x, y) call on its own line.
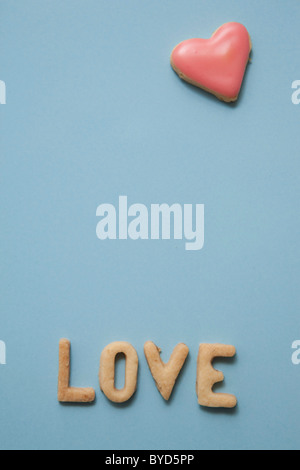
point(218, 64)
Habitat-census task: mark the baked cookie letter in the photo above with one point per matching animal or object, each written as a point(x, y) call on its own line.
point(67, 394)
point(165, 375)
point(207, 376)
point(107, 371)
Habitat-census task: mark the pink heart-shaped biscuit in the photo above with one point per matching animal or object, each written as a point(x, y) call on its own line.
point(218, 64)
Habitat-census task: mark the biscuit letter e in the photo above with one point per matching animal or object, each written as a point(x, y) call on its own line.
point(207, 376)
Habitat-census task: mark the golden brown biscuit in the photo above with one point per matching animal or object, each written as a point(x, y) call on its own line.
point(165, 375)
point(107, 371)
point(207, 376)
point(67, 394)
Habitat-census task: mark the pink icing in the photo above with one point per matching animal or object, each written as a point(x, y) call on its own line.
point(218, 63)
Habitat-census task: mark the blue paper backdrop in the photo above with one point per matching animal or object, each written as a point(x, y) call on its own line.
point(95, 111)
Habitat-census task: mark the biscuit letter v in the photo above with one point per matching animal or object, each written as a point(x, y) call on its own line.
point(165, 375)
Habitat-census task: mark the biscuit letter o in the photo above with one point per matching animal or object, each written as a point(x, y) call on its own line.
point(207, 376)
point(107, 371)
point(67, 394)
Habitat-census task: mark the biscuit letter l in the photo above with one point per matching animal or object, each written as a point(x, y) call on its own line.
point(207, 376)
point(67, 394)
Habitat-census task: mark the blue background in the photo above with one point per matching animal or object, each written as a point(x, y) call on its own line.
point(95, 111)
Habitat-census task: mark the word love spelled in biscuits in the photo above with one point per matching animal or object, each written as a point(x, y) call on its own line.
point(164, 374)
